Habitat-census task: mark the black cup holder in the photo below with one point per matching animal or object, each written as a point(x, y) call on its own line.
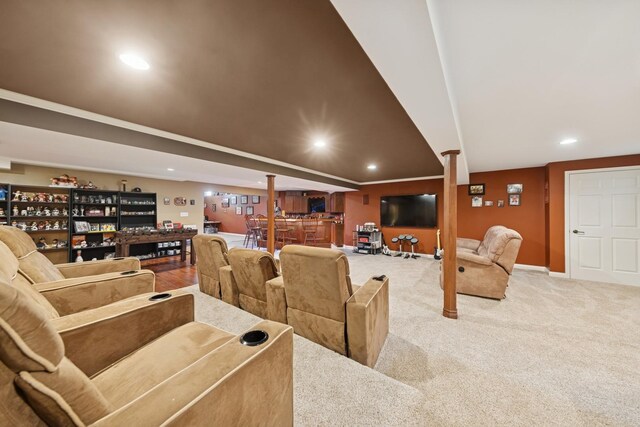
point(461, 269)
point(120, 258)
point(253, 338)
point(159, 297)
point(124, 273)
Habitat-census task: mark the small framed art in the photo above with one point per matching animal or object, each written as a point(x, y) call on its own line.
point(476, 202)
point(244, 200)
point(255, 199)
point(234, 200)
point(514, 189)
point(249, 210)
point(514, 199)
point(238, 210)
point(476, 189)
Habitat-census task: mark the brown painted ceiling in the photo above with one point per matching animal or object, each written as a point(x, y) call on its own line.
point(264, 77)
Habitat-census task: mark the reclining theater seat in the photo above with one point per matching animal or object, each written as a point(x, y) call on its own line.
point(484, 266)
point(211, 254)
point(316, 297)
point(137, 319)
point(193, 375)
point(244, 281)
point(103, 280)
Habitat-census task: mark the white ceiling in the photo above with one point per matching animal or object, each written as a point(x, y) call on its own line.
point(520, 75)
point(23, 144)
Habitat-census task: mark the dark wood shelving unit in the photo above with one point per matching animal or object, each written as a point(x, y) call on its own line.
point(5, 196)
point(105, 204)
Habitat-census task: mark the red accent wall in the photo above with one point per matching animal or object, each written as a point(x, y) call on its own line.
point(555, 208)
point(232, 222)
point(358, 213)
point(527, 219)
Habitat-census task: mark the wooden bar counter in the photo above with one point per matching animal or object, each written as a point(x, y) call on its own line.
point(329, 232)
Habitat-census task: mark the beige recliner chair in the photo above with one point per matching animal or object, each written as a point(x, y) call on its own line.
point(138, 319)
point(37, 269)
point(484, 266)
point(316, 297)
point(212, 256)
point(193, 375)
point(244, 280)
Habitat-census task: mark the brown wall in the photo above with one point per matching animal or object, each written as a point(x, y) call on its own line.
point(232, 222)
point(358, 213)
point(555, 208)
point(527, 219)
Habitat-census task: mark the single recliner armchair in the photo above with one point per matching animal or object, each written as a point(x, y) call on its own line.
point(211, 254)
point(244, 280)
point(316, 297)
point(484, 266)
point(195, 374)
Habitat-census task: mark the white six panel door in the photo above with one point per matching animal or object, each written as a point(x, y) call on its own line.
point(604, 224)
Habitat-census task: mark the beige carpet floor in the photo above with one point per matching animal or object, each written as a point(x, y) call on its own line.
point(555, 352)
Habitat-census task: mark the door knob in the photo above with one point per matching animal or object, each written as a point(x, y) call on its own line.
point(578, 232)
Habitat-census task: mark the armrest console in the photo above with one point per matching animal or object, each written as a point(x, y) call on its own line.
point(228, 286)
point(92, 268)
point(466, 258)
point(276, 300)
point(83, 293)
point(219, 388)
point(368, 321)
point(95, 339)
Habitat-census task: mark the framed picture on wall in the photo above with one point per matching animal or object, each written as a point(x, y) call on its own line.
point(255, 199)
point(514, 200)
point(476, 189)
point(244, 200)
point(514, 189)
point(167, 201)
point(213, 207)
point(238, 210)
point(192, 202)
point(501, 203)
point(476, 202)
point(234, 200)
point(180, 201)
point(249, 210)
point(225, 203)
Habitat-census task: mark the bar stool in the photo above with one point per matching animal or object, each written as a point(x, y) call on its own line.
point(310, 229)
point(253, 232)
point(263, 224)
point(283, 231)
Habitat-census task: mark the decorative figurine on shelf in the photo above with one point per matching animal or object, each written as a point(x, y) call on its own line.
point(34, 226)
point(40, 197)
point(38, 211)
point(2, 212)
point(55, 243)
point(3, 194)
point(81, 210)
point(75, 211)
point(76, 197)
point(83, 244)
point(124, 184)
point(25, 212)
point(107, 211)
point(46, 211)
point(79, 256)
point(65, 212)
point(56, 225)
point(47, 225)
point(64, 225)
point(41, 225)
point(14, 223)
point(42, 243)
point(56, 212)
point(15, 211)
point(108, 200)
point(17, 196)
point(24, 198)
point(50, 198)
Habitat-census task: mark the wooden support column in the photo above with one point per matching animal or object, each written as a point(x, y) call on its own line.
point(271, 214)
point(450, 309)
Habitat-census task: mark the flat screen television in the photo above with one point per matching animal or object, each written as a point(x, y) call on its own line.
point(418, 210)
point(316, 205)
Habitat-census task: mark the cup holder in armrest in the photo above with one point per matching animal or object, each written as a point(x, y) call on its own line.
point(159, 297)
point(120, 258)
point(124, 273)
point(253, 338)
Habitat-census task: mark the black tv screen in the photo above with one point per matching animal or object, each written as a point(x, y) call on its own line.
point(316, 205)
point(419, 210)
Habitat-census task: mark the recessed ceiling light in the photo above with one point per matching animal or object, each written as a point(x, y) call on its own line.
point(319, 143)
point(134, 61)
point(170, 169)
point(372, 167)
point(259, 182)
point(568, 141)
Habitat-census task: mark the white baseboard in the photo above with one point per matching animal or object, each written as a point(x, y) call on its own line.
point(531, 267)
point(558, 274)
